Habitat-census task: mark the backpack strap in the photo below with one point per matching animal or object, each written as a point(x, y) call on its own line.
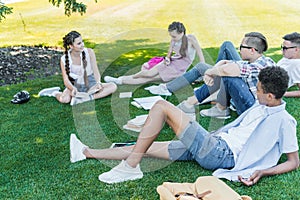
point(197, 196)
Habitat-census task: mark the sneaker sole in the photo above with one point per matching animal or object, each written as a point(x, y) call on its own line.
point(120, 181)
point(218, 117)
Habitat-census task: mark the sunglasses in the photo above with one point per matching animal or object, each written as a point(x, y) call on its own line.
point(247, 47)
point(286, 48)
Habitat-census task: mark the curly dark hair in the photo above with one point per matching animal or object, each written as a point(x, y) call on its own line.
point(179, 27)
point(274, 80)
point(67, 41)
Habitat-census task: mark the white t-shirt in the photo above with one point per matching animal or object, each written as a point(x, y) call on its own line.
point(237, 136)
point(77, 71)
point(292, 66)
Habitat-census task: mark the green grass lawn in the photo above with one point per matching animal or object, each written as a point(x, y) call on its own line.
point(35, 136)
point(35, 144)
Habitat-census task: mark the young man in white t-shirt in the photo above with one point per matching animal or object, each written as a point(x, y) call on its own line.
point(291, 61)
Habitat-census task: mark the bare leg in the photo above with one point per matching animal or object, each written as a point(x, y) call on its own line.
point(129, 80)
point(144, 76)
point(146, 73)
point(192, 100)
point(295, 93)
point(108, 88)
point(161, 112)
point(156, 150)
point(64, 97)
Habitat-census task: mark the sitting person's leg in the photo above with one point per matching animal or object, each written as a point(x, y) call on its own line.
point(145, 76)
point(293, 93)
point(64, 97)
point(196, 143)
point(161, 112)
point(188, 105)
point(205, 91)
point(192, 138)
point(188, 77)
point(239, 92)
point(182, 81)
point(228, 52)
point(129, 80)
point(233, 88)
point(108, 88)
point(147, 73)
point(220, 110)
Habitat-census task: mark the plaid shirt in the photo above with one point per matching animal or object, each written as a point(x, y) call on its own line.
point(249, 71)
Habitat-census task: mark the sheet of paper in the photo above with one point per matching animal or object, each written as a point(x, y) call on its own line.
point(125, 95)
point(147, 102)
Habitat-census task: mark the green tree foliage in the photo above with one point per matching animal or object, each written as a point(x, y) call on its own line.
point(71, 6)
point(4, 10)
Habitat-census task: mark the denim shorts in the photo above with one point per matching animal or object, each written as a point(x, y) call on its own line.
point(195, 143)
point(83, 88)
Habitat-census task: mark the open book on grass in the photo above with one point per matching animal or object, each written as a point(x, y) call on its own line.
point(91, 91)
point(136, 124)
point(147, 102)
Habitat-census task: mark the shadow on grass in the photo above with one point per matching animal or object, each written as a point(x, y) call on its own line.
point(35, 139)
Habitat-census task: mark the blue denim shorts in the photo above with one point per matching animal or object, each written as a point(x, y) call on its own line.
point(195, 143)
point(83, 88)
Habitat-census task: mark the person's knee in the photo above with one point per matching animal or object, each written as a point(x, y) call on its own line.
point(227, 44)
point(229, 80)
point(162, 105)
point(232, 83)
point(113, 87)
point(202, 67)
point(64, 99)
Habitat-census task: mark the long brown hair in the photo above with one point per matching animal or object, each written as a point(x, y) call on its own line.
point(179, 27)
point(67, 41)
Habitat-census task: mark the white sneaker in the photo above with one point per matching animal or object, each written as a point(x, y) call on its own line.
point(232, 106)
point(49, 92)
point(76, 149)
point(109, 79)
point(120, 173)
point(216, 112)
point(188, 109)
point(160, 89)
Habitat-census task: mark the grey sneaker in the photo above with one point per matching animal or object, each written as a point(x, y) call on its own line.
point(216, 112)
point(121, 173)
point(160, 89)
point(49, 92)
point(188, 109)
